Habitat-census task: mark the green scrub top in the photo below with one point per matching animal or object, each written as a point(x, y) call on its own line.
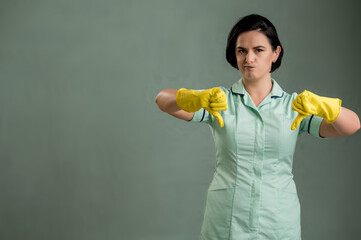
point(252, 194)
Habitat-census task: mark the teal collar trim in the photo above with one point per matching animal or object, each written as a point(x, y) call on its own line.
point(238, 88)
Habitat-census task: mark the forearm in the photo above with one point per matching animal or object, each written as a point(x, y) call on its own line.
point(346, 124)
point(166, 100)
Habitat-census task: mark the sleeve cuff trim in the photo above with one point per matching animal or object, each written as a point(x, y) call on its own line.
point(204, 111)
point(309, 123)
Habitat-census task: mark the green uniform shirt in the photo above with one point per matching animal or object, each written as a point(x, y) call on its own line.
point(252, 194)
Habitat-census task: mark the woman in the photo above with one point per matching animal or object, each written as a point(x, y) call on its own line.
point(255, 125)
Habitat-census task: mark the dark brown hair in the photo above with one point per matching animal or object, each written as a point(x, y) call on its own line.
point(249, 23)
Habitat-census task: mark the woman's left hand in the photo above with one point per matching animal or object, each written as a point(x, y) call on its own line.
point(307, 103)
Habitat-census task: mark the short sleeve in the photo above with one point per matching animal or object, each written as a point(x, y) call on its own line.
point(202, 116)
point(311, 125)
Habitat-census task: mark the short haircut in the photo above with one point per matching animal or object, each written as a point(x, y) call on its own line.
point(249, 23)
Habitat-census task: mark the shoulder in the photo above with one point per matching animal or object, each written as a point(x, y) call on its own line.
point(289, 97)
point(284, 104)
point(225, 90)
point(229, 91)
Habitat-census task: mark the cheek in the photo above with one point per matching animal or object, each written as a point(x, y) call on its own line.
point(268, 60)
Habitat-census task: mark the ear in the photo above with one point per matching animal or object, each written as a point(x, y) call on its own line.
point(276, 53)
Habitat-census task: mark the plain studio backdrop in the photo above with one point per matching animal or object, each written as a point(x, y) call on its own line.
point(85, 153)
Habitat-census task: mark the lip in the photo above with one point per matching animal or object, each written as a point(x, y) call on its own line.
point(248, 67)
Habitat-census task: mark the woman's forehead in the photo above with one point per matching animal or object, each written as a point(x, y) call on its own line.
point(252, 39)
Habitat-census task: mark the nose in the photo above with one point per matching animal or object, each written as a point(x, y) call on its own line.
point(250, 57)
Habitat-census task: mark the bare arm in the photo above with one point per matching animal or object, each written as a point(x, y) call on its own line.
point(166, 101)
point(346, 124)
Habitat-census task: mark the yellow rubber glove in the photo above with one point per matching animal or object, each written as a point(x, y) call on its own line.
point(212, 100)
point(308, 103)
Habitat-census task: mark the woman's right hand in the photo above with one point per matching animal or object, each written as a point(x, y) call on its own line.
point(212, 100)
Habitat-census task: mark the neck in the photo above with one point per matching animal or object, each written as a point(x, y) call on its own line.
point(258, 88)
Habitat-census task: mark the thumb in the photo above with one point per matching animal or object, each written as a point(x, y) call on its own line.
point(297, 121)
point(218, 117)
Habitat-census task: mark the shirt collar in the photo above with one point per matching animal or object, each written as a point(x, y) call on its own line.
point(276, 92)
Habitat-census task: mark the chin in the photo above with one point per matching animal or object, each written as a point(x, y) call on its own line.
point(250, 77)
point(254, 77)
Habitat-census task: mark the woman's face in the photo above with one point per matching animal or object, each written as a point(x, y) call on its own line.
point(254, 55)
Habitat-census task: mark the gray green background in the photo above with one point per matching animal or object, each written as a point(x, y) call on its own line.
point(85, 153)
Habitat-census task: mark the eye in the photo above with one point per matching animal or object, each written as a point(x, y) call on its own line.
point(241, 51)
point(259, 50)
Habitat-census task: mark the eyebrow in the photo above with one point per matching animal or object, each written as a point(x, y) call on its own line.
point(260, 46)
